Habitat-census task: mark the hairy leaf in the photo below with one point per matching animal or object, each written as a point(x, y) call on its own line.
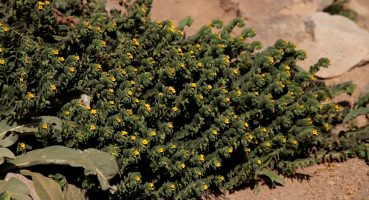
point(362, 101)
point(272, 177)
point(16, 188)
point(354, 113)
point(46, 188)
point(95, 162)
point(73, 192)
point(5, 153)
point(9, 141)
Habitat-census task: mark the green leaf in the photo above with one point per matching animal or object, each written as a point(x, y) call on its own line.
point(185, 22)
point(95, 162)
point(16, 188)
point(362, 101)
point(73, 192)
point(9, 141)
point(46, 188)
point(273, 177)
point(5, 153)
point(5, 195)
point(354, 113)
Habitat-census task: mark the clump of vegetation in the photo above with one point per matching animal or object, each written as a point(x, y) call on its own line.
point(338, 7)
point(183, 115)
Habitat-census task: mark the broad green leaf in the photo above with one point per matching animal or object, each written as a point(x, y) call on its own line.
point(28, 183)
point(30, 127)
point(73, 192)
point(273, 177)
point(5, 153)
point(45, 187)
point(5, 195)
point(94, 162)
point(9, 141)
point(16, 188)
point(354, 113)
point(362, 101)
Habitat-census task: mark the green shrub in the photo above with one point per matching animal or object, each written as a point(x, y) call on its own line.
point(183, 115)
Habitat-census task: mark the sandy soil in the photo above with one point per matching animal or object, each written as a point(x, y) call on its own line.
point(339, 181)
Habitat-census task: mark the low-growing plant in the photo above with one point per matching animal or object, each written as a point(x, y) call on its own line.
point(184, 115)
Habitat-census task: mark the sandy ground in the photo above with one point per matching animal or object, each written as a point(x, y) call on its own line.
point(340, 181)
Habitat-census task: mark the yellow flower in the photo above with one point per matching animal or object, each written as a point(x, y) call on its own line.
point(172, 186)
point(230, 150)
point(294, 142)
point(111, 102)
point(170, 125)
point(173, 146)
point(198, 46)
point(137, 178)
point(193, 85)
point(132, 82)
point(136, 42)
point(205, 187)
point(130, 93)
point(88, 107)
point(221, 178)
point(245, 124)
point(123, 72)
point(227, 100)
point(199, 64)
point(111, 90)
point(136, 152)
point(2, 61)
point(174, 109)
point(92, 127)
point(136, 100)
point(67, 113)
point(55, 52)
point(5, 28)
point(226, 59)
point(270, 60)
point(235, 71)
point(172, 90)
point(151, 186)
point(133, 138)
point(210, 87)
point(61, 59)
point(238, 92)
point(22, 146)
point(40, 5)
point(129, 112)
point(214, 132)
point(161, 150)
point(148, 107)
point(182, 165)
point(30, 96)
point(47, 2)
point(218, 164)
point(118, 119)
point(72, 69)
point(201, 157)
point(52, 87)
point(258, 162)
point(268, 144)
point(103, 44)
point(76, 58)
point(182, 65)
point(45, 126)
point(200, 96)
point(264, 130)
point(145, 142)
point(247, 150)
point(93, 111)
point(153, 133)
point(314, 132)
point(98, 67)
point(250, 136)
point(336, 107)
point(226, 121)
point(256, 93)
point(130, 56)
point(113, 79)
point(123, 133)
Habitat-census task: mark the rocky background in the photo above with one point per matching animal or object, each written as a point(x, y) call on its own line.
point(344, 42)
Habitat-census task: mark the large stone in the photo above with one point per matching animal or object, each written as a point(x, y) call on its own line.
point(337, 38)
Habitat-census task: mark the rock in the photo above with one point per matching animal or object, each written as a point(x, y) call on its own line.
point(339, 39)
